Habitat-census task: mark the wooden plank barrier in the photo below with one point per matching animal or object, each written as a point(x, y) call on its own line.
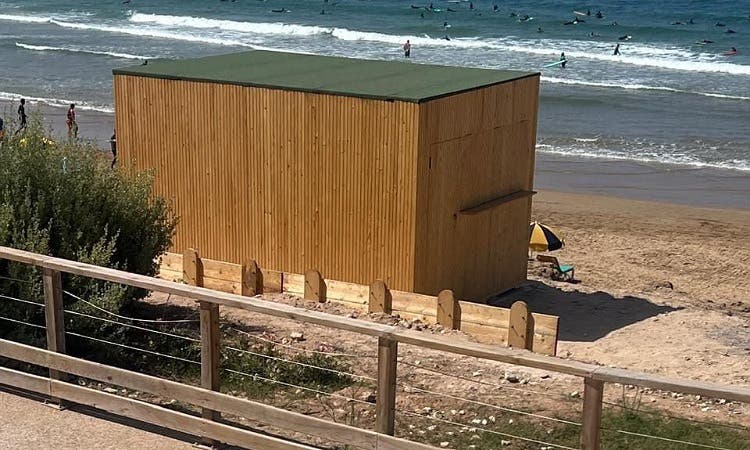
point(488, 324)
point(252, 279)
point(521, 328)
point(380, 299)
point(315, 287)
point(447, 310)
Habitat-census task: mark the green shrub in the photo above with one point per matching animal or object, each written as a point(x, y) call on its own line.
point(62, 199)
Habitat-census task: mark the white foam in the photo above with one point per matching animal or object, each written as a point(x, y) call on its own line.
point(57, 102)
point(636, 86)
point(647, 157)
point(44, 48)
point(284, 29)
point(153, 32)
point(228, 25)
point(24, 19)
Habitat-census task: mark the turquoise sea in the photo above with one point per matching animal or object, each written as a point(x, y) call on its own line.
point(672, 96)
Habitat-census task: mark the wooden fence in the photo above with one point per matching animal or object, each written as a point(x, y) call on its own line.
point(516, 327)
point(213, 402)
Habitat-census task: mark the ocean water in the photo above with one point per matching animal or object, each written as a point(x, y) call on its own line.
point(669, 97)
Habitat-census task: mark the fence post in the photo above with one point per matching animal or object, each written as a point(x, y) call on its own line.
point(54, 315)
point(447, 310)
point(192, 274)
point(381, 300)
point(519, 335)
point(192, 268)
point(385, 406)
point(315, 286)
point(210, 352)
point(593, 392)
point(252, 279)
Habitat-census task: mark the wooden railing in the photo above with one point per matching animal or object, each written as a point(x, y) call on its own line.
point(389, 338)
point(516, 327)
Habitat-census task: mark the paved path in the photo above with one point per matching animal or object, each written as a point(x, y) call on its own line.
point(28, 424)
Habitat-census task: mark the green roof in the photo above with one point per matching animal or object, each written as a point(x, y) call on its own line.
point(385, 80)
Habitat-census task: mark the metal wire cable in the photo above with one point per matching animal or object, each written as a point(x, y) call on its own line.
point(23, 323)
point(136, 327)
point(16, 279)
point(676, 441)
point(686, 419)
point(512, 436)
point(258, 377)
point(22, 300)
point(291, 347)
point(125, 317)
point(311, 366)
point(489, 405)
point(484, 383)
point(143, 350)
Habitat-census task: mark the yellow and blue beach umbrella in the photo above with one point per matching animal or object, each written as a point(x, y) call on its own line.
point(543, 238)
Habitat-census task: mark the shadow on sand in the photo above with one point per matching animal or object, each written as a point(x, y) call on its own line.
point(584, 317)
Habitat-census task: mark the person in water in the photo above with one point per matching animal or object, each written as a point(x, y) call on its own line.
point(407, 49)
point(21, 116)
point(539, 30)
point(563, 59)
point(617, 50)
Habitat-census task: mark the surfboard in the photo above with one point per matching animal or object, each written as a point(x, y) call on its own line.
point(556, 63)
point(579, 13)
point(730, 53)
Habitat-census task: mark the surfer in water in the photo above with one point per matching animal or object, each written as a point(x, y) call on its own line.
point(617, 50)
point(563, 60)
point(407, 49)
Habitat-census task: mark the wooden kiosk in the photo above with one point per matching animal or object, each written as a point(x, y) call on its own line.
point(415, 174)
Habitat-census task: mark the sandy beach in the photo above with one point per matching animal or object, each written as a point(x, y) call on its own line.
point(661, 287)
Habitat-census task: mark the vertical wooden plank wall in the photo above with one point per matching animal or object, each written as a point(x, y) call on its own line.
point(475, 147)
point(293, 180)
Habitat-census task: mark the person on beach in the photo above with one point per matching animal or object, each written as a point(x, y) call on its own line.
point(72, 124)
point(407, 49)
point(2, 129)
point(617, 50)
point(113, 147)
point(21, 116)
point(563, 59)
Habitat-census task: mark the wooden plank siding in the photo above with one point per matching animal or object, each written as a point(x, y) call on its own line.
point(358, 189)
point(473, 148)
point(293, 180)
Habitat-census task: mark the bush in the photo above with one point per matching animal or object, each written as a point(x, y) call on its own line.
point(64, 200)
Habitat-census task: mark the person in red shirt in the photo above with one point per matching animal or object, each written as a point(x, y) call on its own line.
point(72, 124)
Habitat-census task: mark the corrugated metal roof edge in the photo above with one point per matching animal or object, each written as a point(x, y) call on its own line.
point(320, 91)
